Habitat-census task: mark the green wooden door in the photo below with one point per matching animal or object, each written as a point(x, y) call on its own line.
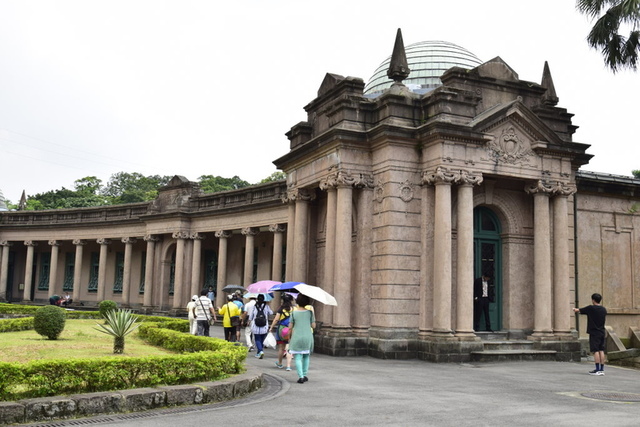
point(488, 258)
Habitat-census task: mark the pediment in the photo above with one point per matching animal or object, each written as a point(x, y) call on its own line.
point(330, 81)
point(516, 132)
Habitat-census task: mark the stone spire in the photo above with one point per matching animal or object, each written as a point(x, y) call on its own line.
point(23, 202)
point(398, 67)
point(549, 98)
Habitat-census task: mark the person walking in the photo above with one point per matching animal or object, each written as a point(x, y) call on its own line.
point(193, 325)
point(281, 323)
point(259, 318)
point(229, 310)
point(302, 322)
point(237, 300)
point(596, 316)
point(247, 309)
point(203, 311)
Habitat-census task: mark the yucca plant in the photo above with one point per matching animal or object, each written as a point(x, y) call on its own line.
point(119, 324)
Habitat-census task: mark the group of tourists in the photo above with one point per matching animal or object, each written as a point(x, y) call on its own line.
point(292, 325)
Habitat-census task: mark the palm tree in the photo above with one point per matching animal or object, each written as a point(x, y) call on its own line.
point(119, 324)
point(618, 51)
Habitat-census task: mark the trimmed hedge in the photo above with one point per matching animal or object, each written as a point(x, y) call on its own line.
point(202, 359)
point(17, 324)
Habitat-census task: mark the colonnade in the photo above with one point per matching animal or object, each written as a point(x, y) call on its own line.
point(186, 281)
point(551, 276)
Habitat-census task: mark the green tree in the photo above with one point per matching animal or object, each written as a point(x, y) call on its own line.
point(276, 176)
point(636, 173)
point(124, 187)
point(214, 184)
point(619, 51)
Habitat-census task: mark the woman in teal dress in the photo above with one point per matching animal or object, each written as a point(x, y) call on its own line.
point(303, 322)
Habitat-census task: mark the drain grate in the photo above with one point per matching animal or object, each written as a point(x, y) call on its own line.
point(613, 396)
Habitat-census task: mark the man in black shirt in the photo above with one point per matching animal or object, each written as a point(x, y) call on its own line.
point(596, 315)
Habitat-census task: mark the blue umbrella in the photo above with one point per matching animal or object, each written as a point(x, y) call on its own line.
point(286, 286)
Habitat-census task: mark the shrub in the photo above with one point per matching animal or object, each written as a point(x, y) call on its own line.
point(49, 321)
point(119, 324)
point(105, 306)
point(14, 325)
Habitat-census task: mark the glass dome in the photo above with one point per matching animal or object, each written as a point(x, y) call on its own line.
point(427, 62)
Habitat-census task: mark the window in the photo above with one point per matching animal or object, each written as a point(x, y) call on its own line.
point(69, 271)
point(94, 269)
point(117, 284)
point(45, 267)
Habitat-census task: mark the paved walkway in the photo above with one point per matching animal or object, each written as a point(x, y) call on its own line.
point(373, 392)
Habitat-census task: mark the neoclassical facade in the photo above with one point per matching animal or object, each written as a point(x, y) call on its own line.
point(394, 202)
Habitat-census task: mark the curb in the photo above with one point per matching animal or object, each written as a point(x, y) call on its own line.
point(133, 400)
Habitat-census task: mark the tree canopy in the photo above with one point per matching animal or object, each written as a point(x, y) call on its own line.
point(619, 50)
point(125, 187)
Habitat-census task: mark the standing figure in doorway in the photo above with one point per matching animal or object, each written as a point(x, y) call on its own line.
point(482, 294)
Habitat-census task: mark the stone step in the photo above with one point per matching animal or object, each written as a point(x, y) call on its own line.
point(508, 345)
point(513, 355)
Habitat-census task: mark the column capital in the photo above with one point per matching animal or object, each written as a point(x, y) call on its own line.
point(30, 243)
point(563, 189)
point(250, 231)
point(129, 240)
point(180, 235)
point(5, 243)
point(223, 234)
point(277, 228)
point(539, 187)
point(151, 238)
point(103, 241)
point(439, 176)
point(298, 194)
point(342, 177)
point(79, 242)
point(465, 177)
point(54, 243)
point(197, 236)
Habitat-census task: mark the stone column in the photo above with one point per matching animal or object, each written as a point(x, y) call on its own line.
point(343, 249)
point(223, 242)
point(149, 269)
point(561, 292)
point(102, 269)
point(329, 184)
point(77, 268)
point(250, 233)
point(28, 273)
point(426, 260)
point(301, 235)
point(4, 269)
point(53, 268)
point(542, 301)
point(276, 262)
point(442, 179)
point(464, 263)
point(364, 250)
point(196, 267)
point(291, 218)
point(126, 274)
point(178, 285)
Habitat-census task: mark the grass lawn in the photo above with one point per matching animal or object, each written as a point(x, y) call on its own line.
point(78, 340)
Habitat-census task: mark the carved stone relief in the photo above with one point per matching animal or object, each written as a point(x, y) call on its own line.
point(510, 148)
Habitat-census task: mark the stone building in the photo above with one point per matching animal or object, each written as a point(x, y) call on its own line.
point(397, 196)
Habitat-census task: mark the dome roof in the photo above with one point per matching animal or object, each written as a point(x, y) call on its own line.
point(427, 62)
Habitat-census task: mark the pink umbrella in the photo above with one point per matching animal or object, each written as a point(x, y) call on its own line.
point(262, 286)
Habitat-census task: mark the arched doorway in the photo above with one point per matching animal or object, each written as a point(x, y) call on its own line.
point(487, 257)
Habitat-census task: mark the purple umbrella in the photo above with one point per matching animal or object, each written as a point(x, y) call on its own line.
point(262, 286)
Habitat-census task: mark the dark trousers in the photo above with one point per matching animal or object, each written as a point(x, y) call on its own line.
point(481, 306)
point(203, 328)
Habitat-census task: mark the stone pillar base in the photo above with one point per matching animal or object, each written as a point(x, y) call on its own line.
point(448, 349)
point(567, 350)
point(340, 342)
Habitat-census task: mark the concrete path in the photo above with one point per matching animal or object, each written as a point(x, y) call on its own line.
point(372, 392)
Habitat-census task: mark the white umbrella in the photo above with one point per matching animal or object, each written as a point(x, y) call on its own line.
point(316, 293)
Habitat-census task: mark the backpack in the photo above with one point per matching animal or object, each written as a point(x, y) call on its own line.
point(261, 319)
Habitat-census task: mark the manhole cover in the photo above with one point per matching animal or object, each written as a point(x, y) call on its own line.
point(617, 397)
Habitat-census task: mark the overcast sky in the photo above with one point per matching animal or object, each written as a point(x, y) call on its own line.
point(91, 88)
